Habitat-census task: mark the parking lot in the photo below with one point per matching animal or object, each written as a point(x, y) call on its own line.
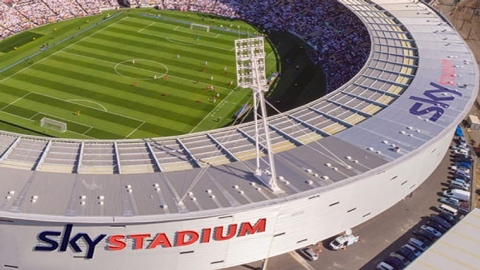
point(379, 236)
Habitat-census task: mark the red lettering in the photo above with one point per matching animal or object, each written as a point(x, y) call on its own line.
point(232, 229)
point(448, 73)
point(116, 242)
point(206, 235)
point(138, 240)
point(247, 228)
point(193, 237)
point(160, 240)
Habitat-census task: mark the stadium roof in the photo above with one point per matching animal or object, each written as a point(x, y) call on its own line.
point(419, 82)
point(456, 249)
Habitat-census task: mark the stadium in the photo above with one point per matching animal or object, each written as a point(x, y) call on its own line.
point(192, 202)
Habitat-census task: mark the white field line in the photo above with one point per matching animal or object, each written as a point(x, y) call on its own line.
point(34, 116)
point(109, 62)
point(121, 115)
point(45, 58)
point(175, 28)
point(186, 43)
point(88, 101)
point(129, 134)
point(212, 111)
point(16, 100)
point(66, 120)
point(139, 31)
point(18, 116)
point(216, 36)
point(85, 131)
point(270, 54)
point(171, 76)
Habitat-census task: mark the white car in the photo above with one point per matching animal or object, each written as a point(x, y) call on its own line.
point(309, 253)
point(460, 152)
point(460, 147)
point(431, 230)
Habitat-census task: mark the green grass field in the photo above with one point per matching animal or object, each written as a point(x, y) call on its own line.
point(131, 76)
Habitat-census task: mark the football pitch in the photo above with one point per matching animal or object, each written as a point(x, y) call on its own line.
point(131, 75)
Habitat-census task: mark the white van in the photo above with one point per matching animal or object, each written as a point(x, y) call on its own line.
point(458, 194)
point(448, 209)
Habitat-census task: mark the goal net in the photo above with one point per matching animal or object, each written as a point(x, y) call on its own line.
point(53, 124)
point(196, 26)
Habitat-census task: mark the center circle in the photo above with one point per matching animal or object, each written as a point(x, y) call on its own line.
point(141, 69)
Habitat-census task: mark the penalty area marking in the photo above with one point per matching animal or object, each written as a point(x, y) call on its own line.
point(213, 111)
point(139, 31)
point(75, 101)
point(180, 42)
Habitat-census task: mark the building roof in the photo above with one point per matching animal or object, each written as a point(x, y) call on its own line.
point(456, 249)
point(380, 116)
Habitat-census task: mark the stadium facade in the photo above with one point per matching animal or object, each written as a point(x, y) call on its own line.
point(191, 202)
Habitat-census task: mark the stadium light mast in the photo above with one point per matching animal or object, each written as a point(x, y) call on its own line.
point(250, 62)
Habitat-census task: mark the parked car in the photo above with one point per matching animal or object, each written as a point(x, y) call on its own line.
point(437, 226)
point(441, 221)
point(407, 253)
point(460, 146)
point(418, 244)
point(465, 181)
point(458, 194)
point(460, 152)
point(413, 249)
point(309, 254)
point(395, 262)
point(463, 177)
point(384, 266)
point(449, 218)
point(459, 185)
point(467, 165)
point(462, 169)
point(424, 240)
point(431, 237)
point(462, 158)
point(402, 258)
point(450, 201)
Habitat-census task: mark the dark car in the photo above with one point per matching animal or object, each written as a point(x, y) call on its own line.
point(424, 240)
point(425, 234)
point(405, 252)
point(402, 258)
point(395, 262)
point(441, 221)
point(437, 226)
point(451, 219)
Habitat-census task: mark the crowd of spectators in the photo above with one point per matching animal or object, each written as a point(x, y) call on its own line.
point(19, 15)
point(339, 41)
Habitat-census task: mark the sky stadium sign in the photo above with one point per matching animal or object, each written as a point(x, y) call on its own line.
point(62, 241)
point(434, 101)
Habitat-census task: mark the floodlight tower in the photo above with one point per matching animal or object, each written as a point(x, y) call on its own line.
point(250, 61)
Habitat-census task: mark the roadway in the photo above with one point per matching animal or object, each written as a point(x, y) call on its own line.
point(378, 237)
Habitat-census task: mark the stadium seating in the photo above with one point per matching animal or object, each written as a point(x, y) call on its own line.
point(365, 82)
